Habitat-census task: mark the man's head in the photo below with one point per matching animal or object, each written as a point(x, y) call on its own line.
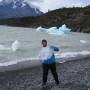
point(44, 43)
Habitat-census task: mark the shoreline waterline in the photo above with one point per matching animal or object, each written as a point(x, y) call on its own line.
point(34, 63)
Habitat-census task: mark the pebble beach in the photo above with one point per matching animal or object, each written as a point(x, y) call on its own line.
point(73, 75)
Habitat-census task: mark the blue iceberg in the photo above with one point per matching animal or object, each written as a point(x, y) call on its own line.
point(40, 29)
point(54, 30)
point(64, 29)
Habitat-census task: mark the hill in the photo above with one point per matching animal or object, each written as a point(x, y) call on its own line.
point(76, 18)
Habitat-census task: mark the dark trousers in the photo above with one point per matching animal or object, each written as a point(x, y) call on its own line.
point(52, 67)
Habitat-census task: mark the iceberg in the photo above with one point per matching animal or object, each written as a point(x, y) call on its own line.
point(40, 29)
point(57, 33)
point(54, 30)
point(64, 29)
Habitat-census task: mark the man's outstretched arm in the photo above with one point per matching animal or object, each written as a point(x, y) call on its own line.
point(55, 48)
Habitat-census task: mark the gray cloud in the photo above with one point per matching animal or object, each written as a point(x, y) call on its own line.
point(46, 5)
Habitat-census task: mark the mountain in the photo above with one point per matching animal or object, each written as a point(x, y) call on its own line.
point(17, 8)
point(76, 18)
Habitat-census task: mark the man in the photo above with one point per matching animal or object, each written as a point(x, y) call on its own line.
point(48, 61)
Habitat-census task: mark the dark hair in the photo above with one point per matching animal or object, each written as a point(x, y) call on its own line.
point(44, 40)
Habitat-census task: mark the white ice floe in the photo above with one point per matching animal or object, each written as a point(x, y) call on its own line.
point(83, 41)
point(54, 30)
point(15, 45)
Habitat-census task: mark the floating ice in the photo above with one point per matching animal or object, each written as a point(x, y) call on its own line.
point(51, 30)
point(64, 29)
point(56, 33)
point(83, 41)
point(15, 45)
point(54, 30)
point(40, 29)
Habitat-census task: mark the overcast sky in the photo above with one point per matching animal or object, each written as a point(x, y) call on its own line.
point(46, 5)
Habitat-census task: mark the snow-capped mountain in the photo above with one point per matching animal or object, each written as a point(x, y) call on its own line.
point(17, 8)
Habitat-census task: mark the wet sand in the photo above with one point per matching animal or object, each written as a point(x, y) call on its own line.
point(73, 75)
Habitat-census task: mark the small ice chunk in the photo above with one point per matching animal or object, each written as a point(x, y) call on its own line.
point(83, 41)
point(15, 45)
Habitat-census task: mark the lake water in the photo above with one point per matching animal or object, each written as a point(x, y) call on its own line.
point(69, 44)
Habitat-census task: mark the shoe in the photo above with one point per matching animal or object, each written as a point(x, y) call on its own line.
point(44, 84)
point(57, 83)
